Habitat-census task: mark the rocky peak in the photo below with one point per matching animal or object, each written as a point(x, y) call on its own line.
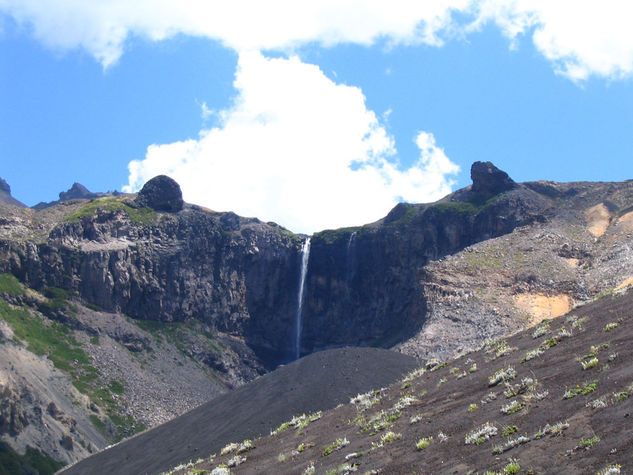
point(162, 194)
point(488, 180)
point(75, 192)
point(4, 186)
point(5, 195)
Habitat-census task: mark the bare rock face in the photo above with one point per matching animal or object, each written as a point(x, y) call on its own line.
point(488, 180)
point(162, 194)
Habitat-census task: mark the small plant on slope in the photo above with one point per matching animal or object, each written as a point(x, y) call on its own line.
point(336, 445)
point(423, 443)
point(481, 434)
point(504, 374)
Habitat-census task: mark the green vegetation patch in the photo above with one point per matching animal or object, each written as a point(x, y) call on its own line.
point(33, 461)
point(54, 341)
point(10, 285)
point(98, 423)
point(472, 206)
point(137, 215)
point(584, 390)
point(329, 236)
point(57, 300)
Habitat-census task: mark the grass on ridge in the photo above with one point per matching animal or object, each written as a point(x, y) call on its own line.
point(137, 215)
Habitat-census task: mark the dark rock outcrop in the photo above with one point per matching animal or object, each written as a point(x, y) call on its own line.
point(4, 186)
point(77, 191)
point(162, 194)
point(488, 180)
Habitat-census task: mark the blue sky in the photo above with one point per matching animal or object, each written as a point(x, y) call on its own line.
point(318, 117)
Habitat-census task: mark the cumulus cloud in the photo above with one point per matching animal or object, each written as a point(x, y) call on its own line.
point(580, 37)
point(298, 149)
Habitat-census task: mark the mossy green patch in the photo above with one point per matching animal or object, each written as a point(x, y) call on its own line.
point(137, 215)
point(10, 285)
point(117, 387)
point(472, 206)
point(329, 236)
point(98, 423)
point(57, 301)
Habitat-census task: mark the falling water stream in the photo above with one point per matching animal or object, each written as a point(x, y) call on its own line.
point(305, 257)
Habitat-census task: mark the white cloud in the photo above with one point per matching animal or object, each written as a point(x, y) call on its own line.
point(298, 149)
point(101, 27)
point(580, 37)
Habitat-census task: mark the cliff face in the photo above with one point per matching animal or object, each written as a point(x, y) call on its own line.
point(236, 274)
point(241, 276)
point(365, 285)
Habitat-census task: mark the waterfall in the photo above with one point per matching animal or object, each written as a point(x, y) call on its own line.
point(305, 257)
point(350, 242)
point(350, 258)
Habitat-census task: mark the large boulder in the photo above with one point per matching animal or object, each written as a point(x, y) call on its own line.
point(488, 180)
point(162, 194)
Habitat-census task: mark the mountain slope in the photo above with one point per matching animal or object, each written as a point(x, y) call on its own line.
point(553, 399)
point(317, 382)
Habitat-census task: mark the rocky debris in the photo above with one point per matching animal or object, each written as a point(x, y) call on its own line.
point(488, 180)
point(161, 193)
point(77, 191)
point(5, 195)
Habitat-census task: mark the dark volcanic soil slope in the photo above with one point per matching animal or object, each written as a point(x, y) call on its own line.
point(565, 407)
point(317, 382)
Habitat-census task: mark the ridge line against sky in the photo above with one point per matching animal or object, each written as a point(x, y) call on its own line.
point(323, 114)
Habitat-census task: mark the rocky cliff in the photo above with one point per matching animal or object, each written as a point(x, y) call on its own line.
point(364, 286)
point(238, 275)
